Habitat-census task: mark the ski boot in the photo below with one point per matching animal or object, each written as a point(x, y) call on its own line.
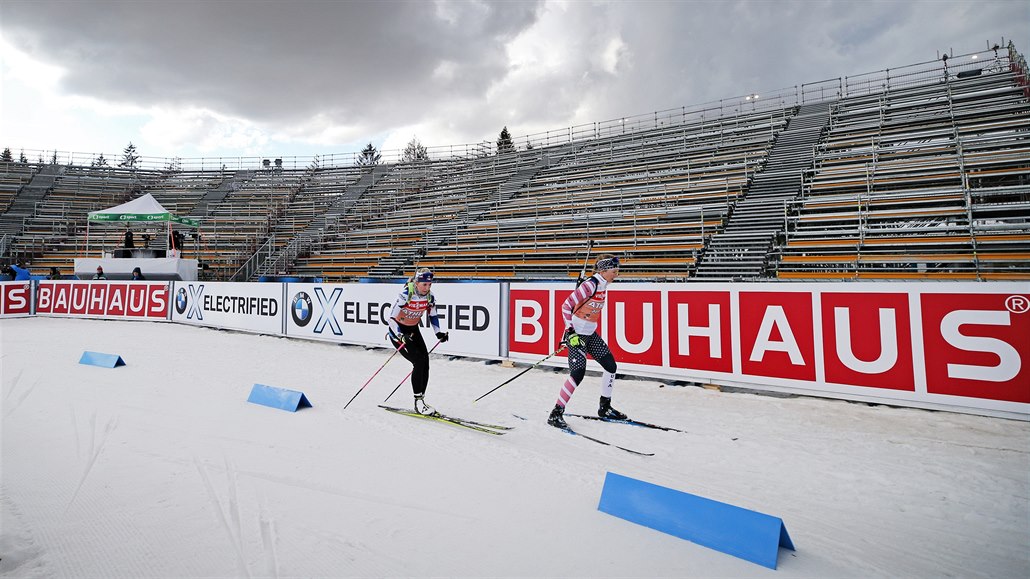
point(422, 408)
point(605, 410)
point(556, 419)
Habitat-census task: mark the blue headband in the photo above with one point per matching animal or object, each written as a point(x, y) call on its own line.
point(606, 264)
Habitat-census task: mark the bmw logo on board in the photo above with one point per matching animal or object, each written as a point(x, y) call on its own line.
point(181, 300)
point(300, 309)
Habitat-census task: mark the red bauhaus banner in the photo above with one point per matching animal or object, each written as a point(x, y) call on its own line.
point(15, 298)
point(947, 345)
point(144, 300)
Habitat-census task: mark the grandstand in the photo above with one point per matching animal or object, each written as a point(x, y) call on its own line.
point(922, 181)
point(919, 172)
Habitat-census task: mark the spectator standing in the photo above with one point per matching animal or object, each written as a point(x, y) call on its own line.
point(20, 273)
point(100, 273)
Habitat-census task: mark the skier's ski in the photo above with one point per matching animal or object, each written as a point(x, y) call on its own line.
point(597, 440)
point(568, 430)
point(629, 421)
point(470, 424)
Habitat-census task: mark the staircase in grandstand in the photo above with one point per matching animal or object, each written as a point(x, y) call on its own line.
point(24, 204)
point(212, 197)
point(741, 250)
point(284, 258)
point(403, 259)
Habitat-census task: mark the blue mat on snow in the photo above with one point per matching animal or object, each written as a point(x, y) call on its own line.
point(101, 359)
point(280, 398)
point(734, 530)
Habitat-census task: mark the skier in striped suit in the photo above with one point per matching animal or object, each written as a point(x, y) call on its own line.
point(581, 312)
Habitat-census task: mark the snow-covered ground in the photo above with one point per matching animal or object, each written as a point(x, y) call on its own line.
point(162, 469)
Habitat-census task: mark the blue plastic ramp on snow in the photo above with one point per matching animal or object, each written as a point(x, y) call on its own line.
point(101, 359)
point(281, 398)
point(734, 530)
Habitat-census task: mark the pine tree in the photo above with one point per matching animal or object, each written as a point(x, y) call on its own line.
point(22, 158)
point(99, 161)
point(415, 151)
point(504, 144)
point(129, 158)
point(53, 159)
point(369, 156)
point(6, 155)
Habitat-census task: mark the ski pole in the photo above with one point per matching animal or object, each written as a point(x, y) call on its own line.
point(583, 272)
point(512, 379)
point(373, 375)
point(409, 373)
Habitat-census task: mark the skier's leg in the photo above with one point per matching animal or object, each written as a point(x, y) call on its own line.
point(577, 369)
point(599, 351)
point(420, 371)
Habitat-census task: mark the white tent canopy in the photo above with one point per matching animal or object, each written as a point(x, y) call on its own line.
point(144, 208)
point(156, 263)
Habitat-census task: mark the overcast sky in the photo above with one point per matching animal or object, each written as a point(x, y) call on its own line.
point(294, 78)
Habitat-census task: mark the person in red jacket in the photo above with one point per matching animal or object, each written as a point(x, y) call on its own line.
point(581, 312)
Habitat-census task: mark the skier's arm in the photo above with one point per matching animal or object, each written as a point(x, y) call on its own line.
point(399, 303)
point(576, 299)
point(434, 319)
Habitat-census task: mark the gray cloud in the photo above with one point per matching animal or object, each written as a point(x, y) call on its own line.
point(703, 52)
point(267, 61)
point(366, 68)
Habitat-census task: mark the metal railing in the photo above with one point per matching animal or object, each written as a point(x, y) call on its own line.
point(863, 215)
point(249, 267)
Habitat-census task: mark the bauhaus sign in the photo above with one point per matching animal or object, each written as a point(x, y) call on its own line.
point(103, 299)
point(907, 342)
point(15, 298)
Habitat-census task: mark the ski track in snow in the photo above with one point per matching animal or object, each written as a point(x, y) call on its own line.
point(268, 541)
point(230, 523)
point(10, 405)
point(162, 469)
point(92, 452)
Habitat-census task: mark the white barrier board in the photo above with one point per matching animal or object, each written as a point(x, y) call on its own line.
point(358, 313)
point(254, 307)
